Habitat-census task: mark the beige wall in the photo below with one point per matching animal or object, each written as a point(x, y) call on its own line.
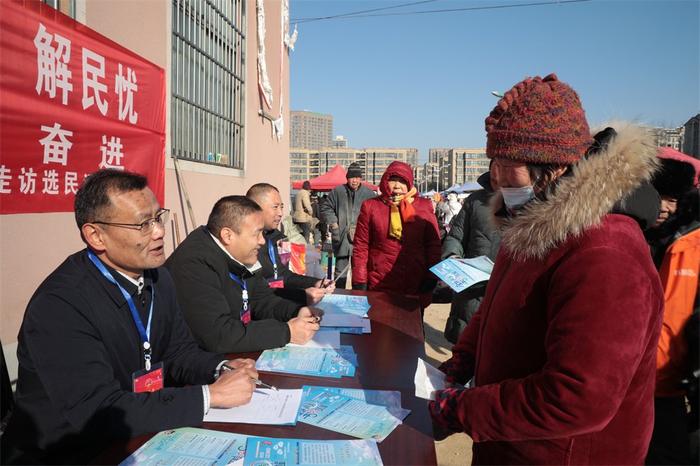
point(33, 245)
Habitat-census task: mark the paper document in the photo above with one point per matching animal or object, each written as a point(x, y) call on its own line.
point(347, 323)
point(330, 410)
point(296, 452)
point(319, 362)
point(272, 407)
point(427, 380)
point(190, 446)
point(460, 274)
point(344, 304)
point(390, 399)
point(324, 338)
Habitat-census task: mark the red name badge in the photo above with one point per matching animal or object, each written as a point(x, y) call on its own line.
point(148, 381)
point(276, 283)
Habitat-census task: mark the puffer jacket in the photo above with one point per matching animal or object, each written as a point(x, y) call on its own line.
point(385, 263)
point(472, 234)
point(563, 347)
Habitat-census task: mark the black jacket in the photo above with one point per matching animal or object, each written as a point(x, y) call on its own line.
point(294, 284)
point(211, 301)
point(472, 234)
point(78, 347)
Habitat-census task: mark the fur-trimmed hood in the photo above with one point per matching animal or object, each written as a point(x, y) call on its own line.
point(582, 199)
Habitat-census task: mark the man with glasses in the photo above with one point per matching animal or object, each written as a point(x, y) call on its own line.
point(104, 352)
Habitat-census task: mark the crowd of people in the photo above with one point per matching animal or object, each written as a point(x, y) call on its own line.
point(580, 349)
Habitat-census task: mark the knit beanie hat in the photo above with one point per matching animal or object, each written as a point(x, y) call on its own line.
point(354, 171)
point(538, 121)
point(674, 178)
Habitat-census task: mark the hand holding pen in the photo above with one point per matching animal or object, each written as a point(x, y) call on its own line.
point(254, 379)
point(235, 385)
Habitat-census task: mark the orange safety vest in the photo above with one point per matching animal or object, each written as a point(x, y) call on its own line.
point(679, 276)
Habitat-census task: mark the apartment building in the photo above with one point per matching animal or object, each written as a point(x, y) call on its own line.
point(311, 130)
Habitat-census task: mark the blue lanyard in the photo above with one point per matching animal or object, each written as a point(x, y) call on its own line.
point(244, 294)
point(271, 253)
point(143, 332)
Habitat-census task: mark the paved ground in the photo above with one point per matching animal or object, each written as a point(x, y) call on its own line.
point(456, 449)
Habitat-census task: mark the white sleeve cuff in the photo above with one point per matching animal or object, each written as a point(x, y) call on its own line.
point(206, 398)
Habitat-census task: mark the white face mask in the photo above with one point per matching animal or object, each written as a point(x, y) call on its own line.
point(515, 198)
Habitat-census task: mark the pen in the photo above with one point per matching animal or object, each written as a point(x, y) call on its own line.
point(258, 382)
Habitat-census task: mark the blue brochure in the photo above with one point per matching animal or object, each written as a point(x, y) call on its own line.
point(319, 362)
point(189, 445)
point(460, 274)
point(344, 304)
point(296, 452)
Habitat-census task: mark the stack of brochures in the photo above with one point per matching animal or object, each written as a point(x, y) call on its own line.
point(366, 414)
point(201, 446)
point(460, 274)
point(346, 314)
point(317, 362)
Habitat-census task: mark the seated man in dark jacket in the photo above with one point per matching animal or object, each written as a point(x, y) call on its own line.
point(286, 283)
point(104, 352)
point(226, 301)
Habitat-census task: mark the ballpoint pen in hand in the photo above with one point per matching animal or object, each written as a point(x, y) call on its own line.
point(258, 382)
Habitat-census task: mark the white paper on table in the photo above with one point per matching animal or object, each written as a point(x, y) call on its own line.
point(427, 380)
point(322, 339)
point(273, 407)
point(341, 320)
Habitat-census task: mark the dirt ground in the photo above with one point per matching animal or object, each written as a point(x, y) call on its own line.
point(456, 449)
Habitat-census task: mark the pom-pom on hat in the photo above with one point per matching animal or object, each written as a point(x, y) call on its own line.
point(538, 121)
point(674, 178)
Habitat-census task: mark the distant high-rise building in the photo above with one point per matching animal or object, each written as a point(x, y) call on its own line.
point(449, 166)
point(668, 137)
point(691, 137)
point(307, 163)
point(311, 130)
point(340, 141)
point(436, 154)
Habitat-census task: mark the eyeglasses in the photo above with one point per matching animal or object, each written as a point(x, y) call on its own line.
point(145, 227)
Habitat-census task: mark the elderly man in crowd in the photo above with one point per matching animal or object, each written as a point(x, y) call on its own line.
point(340, 211)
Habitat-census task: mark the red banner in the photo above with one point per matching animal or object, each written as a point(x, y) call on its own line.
point(71, 102)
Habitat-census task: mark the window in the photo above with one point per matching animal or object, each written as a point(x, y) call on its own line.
point(67, 7)
point(208, 70)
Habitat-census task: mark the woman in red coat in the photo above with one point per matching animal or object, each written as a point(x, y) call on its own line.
point(396, 239)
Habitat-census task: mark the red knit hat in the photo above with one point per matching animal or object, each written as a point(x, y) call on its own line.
point(538, 121)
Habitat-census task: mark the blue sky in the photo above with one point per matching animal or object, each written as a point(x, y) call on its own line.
point(425, 80)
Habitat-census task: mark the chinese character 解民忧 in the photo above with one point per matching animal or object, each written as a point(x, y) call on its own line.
point(126, 85)
point(93, 69)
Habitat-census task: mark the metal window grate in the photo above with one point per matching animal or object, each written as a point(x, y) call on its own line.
point(208, 70)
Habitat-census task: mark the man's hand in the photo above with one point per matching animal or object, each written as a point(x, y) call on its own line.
point(327, 285)
point(233, 388)
point(303, 327)
point(314, 295)
point(241, 363)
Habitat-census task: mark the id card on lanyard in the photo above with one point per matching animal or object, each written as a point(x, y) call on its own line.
point(274, 282)
point(151, 378)
point(245, 311)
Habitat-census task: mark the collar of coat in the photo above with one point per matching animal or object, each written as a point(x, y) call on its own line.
point(582, 199)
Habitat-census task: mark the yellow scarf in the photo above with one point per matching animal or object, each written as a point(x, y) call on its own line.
point(400, 207)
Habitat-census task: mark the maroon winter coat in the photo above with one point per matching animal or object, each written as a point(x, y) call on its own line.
point(563, 347)
point(387, 264)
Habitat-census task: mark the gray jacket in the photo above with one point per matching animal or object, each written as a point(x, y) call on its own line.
point(342, 208)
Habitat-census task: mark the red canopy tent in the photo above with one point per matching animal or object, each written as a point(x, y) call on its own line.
point(334, 177)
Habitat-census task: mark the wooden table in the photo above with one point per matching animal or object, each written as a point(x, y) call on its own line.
point(386, 361)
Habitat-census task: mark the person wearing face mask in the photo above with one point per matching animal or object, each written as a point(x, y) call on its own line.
point(561, 354)
point(397, 239)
